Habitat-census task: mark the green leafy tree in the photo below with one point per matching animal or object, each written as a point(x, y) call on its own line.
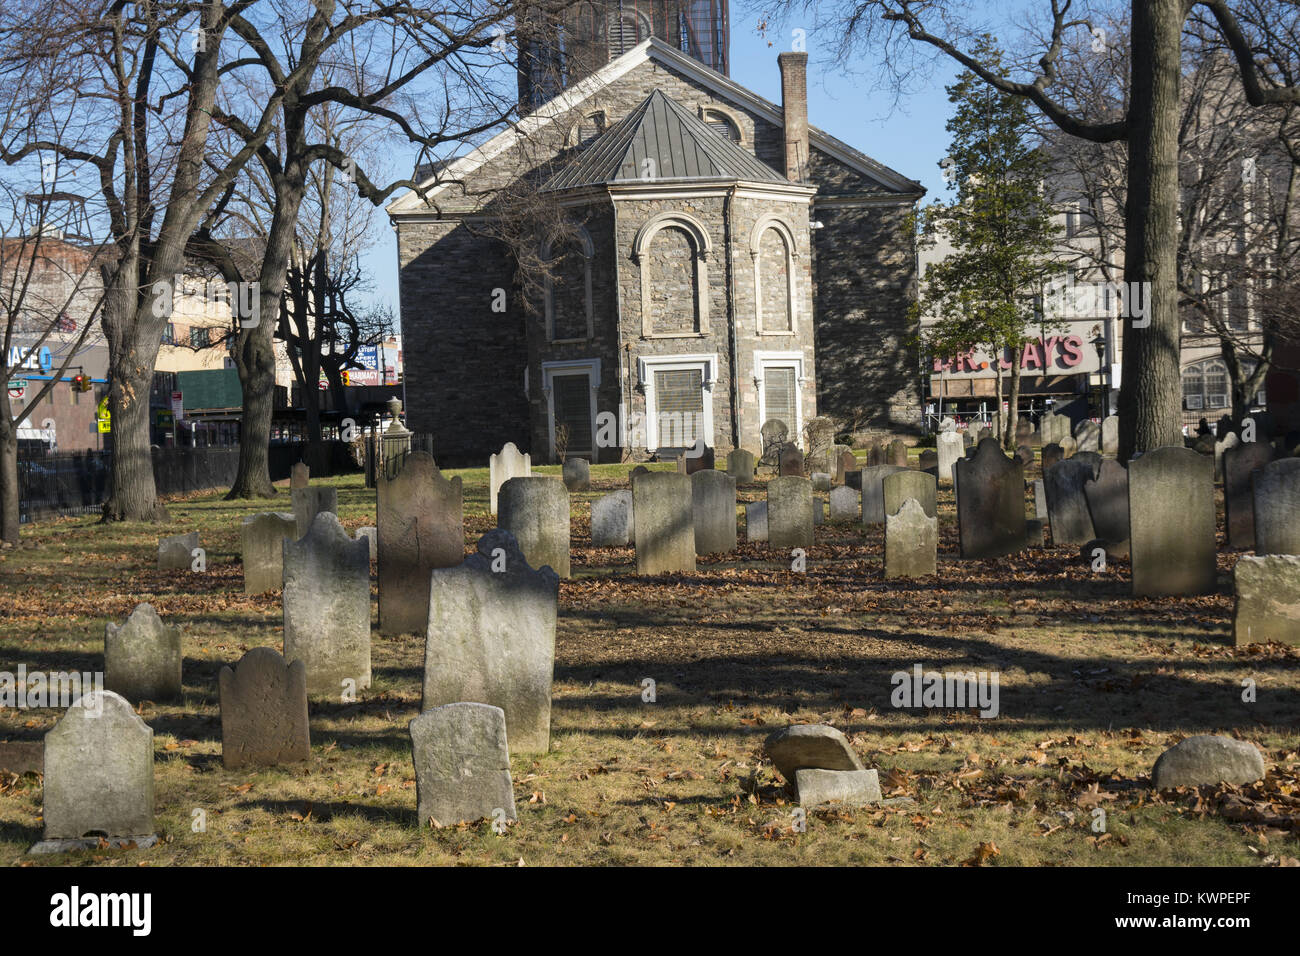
point(999, 224)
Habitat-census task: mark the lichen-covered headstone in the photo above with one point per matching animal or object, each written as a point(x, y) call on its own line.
point(990, 492)
point(491, 638)
point(263, 711)
point(1088, 435)
point(327, 608)
point(577, 474)
point(1171, 522)
point(421, 527)
point(790, 512)
point(1268, 599)
point(901, 485)
point(313, 500)
point(950, 448)
point(611, 520)
point(142, 657)
point(756, 521)
point(663, 516)
point(713, 497)
point(1110, 436)
point(821, 481)
point(911, 542)
point(176, 553)
point(262, 552)
point(536, 511)
point(791, 460)
point(1107, 497)
point(740, 465)
point(873, 492)
point(1276, 492)
point(1239, 465)
point(1067, 506)
point(462, 764)
point(846, 504)
point(897, 453)
point(98, 774)
point(299, 475)
point(508, 463)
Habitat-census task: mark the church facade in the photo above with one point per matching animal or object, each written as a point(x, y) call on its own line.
point(710, 261)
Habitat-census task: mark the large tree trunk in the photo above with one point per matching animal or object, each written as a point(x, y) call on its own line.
point(9, 516)
point(1151, 390)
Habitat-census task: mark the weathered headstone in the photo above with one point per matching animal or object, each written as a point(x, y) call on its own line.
point(662, 513)
point(638, 470)
point(911, 542)
point(873, 492)
point(1025, 454)
point(1040, 500)
point(901, 485)
point(774, 434)
point(950, 450)
point(897, 454)
point(819, 511)
point(176, 553)
point(1067, 506)
point(1024, 430)
point(968, 439)
point(1276, 489)
point(577, 474)
point(264, 711)
point(299, 475)
point(846, 504)
point(1268, 599)
point(371, 536)
point(821, 481)
point(536, 511)
point(327, 607)
point(756, 521)
point(262, 552)
point(1171, 522)
point(809, 747)
point(98, 775)
point(508, 463)
point(1107, 496)
point(1053, 428)
point(142, 657)
point(1088, 435)
point(790, 512)
point(740, 465)
point(929, 462)
point(1239, 464)
point(313, 500)
point(845, 463)
point(611, 520)
point(491, 638)
point(791, 460)
point(875, 454)
point(421, 527)
point(845, 788)
point(462, 765)
point(713, 497)
point(990, 491)
point(1110, 436)
point(1052, 454)
point(1207, 759)
point(1068, 446)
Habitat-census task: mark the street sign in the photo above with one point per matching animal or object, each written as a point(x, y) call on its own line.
point(18, 388)
point(178, 406)
point(103, 419)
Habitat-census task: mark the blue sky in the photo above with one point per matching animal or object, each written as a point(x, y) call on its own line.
point(907, 135)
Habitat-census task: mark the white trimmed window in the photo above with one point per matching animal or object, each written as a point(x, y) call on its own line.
point(779, 377)
point(570, 389)
point(678, 400)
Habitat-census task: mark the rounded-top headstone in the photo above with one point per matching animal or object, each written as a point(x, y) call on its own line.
point(577, 474)
point(536, 511)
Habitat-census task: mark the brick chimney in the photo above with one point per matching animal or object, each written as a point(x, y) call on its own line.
point(794, 103)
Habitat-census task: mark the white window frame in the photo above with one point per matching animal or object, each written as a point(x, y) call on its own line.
point(786, 234)
point(588, 367)
point(765, 360)
point(647, 365)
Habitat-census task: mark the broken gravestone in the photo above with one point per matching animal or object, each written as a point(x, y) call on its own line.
point(462, 764)
point(820, 767)
point(142, 657)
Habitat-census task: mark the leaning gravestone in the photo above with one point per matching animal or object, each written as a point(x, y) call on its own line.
point(902, 485)
point(611, 520)
point(1171, 522)
point(1052, 454)
point(756, 521)
point(1067, 506)
point(577, 474)
point(462, 765)
point(1277, 507)
point(873, 492)
point(263, 711)
point(299, 476)
point(1107, 496)
point(142, 657)
point(950, 450)
point(740, 465)
point(713, 497)
point(327, 607)
point(1088, 435)
point(98, 776)
point(897, 453)
point(990, 492)
point(791, 460)
point(1239, 464)
point(421, 527)
point(491, 638)
point(508, 463)
point(1268, 599)
point(846, 504)
point(1110, 436)
point(313, 500)
point(177, 552)
point(790, 512)
point(662, 512)
point(261, 550)
point(911, 542)
point(536, 511)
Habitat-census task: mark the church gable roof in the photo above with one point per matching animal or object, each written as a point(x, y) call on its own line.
point(660, 139)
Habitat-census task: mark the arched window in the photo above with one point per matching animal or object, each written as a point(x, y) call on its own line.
point(624, 30)
point(672, 250)
point(772, 248)
point(588, 128)
point(568, 305)
point(722, 124)
point(1205, 386)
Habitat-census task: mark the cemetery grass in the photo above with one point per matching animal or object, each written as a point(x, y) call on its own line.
point(1094, 685)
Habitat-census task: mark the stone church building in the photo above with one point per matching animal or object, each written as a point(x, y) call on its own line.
point(712, 262)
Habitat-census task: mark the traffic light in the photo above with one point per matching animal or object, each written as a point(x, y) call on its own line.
point(81, 383)
point(347, 378)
